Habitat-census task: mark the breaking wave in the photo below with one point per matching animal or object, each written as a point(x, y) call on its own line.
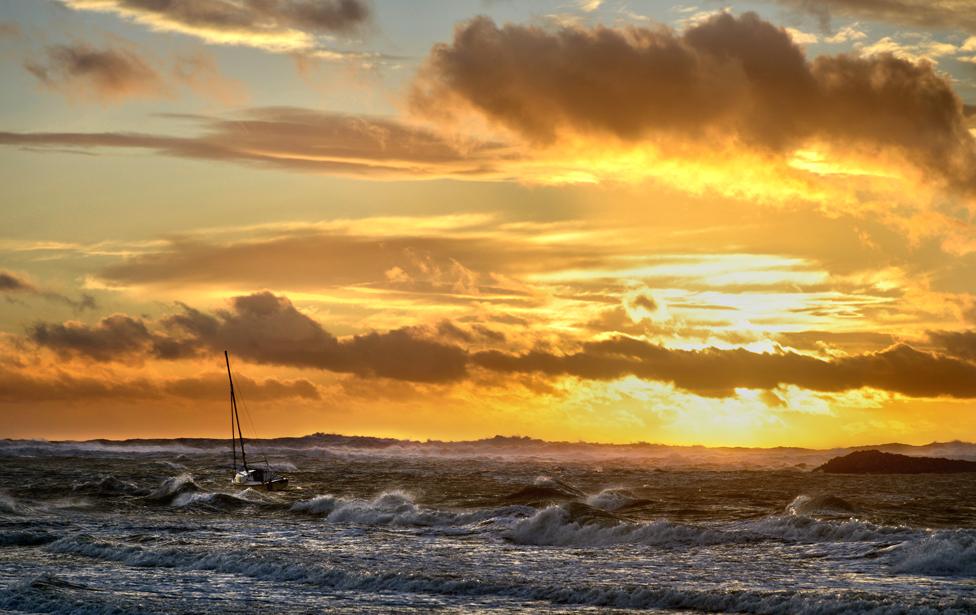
point(615, 499)
point(174, 487)
point(9, 505)
point(399, 508)
point(271, 567)
point(580, 525)
point(820, 505)
point(940, 553)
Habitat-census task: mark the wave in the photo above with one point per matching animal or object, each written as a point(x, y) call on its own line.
point(399, 508)
point(219, 502)
point(820, 505)
point(41, 448)
point(545, 489)
point(9, 505)
point(173, 487)
point(940, 553)
point(25, 538)
point(108, 486)
point(615, 499)
point(579, 525)
point(269, 566)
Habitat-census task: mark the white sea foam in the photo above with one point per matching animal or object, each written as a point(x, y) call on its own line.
point(399, 508)
point(611, 499)
point(940, 552)
point(561, 526)
point(819, 505)
point(11, 506)
point(272, 567)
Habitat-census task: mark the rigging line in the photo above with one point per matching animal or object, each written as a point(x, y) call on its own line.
point(250, 422)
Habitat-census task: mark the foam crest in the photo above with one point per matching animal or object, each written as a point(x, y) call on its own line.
point(174, 486)
point(819, 505)
point(269, 567)
point(9, 505)
point(213, 501)
point(399, 508)
point(940, 553)
point(577, 524)
point(612, 499)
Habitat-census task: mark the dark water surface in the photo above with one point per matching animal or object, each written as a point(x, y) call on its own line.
point(146, 529)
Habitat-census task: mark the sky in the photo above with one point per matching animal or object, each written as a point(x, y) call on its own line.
point(735, 224)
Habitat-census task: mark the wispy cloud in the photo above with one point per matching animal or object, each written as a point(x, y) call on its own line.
point(272, 25)
point(13, 285)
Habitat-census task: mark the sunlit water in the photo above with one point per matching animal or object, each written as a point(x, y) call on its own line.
point(162, 530)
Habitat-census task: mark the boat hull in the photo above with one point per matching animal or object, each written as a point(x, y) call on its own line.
point(278, 483)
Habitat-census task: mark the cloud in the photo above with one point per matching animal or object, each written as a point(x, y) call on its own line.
point(10, 29)
point(960, 344)
point(12, 284)
point(200, 73)
point(846, 34)
point(957, 14)
point(268, 329)
point(924, 49)
point(109, 74)
point(305, 140)
point(272, 25)
point(261, 328)
point(20, 387)
point(115, 73)
point(726, 80)
point(717, 373)
point(112, 337)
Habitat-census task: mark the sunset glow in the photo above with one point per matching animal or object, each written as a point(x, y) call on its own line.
point(601, 221)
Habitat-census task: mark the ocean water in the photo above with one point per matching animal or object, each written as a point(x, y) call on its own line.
point(380, 527)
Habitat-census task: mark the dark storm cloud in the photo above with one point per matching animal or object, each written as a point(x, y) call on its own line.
point(714, 372)
point(737, 78)
point(109, 339)
point(264, 328)
point(955, 14)
point(261, 328)
point(300, 139)
point(268, 329)
point(106, 74)
point(961, 344)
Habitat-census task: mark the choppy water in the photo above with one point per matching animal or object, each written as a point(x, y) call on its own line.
point(103, 529)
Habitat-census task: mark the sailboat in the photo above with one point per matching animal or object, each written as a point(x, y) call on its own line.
point(244, 475)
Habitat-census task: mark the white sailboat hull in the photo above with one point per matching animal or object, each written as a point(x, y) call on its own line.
point(248, 479)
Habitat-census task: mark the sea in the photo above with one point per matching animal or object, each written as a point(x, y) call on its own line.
point(503, 525)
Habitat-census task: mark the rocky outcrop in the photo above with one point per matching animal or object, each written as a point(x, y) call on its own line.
point(876, 462)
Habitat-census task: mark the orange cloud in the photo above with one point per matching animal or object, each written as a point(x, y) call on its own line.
point(305, 140)
point(728, 80)
point(267, 329)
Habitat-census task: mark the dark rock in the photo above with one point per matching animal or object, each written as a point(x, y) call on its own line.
point(876, 462)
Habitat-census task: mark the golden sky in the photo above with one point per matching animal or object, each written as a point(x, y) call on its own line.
point(741, 224)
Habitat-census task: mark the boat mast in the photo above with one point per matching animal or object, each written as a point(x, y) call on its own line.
point(236, 417)
point(233, 438)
